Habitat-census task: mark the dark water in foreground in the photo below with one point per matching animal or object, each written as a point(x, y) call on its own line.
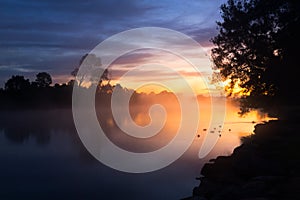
point(42, 157)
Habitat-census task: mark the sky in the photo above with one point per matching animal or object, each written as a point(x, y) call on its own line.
point(53, 35)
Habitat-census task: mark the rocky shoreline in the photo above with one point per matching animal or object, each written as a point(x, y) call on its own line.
point(265, 166)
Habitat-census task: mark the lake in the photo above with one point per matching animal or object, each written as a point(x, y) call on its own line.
point(42, 157)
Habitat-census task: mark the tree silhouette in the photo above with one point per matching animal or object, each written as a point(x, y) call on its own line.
point(256, 48)
point(92, 66)
point(20, 93)
point(17, 83)
point(43, 79)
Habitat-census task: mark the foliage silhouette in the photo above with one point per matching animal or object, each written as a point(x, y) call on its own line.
point(43, 80)
point(256, 49)
point(16, 84)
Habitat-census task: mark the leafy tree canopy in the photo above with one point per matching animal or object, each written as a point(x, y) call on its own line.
point(257, 48)
point(17, 83)
point(43, 79)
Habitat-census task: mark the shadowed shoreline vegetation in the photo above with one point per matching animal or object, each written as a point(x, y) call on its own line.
point(257, 50)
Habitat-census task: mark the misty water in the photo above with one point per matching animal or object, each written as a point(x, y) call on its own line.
point(42, 157)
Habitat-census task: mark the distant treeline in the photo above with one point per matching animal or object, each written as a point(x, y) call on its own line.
point(21, 93)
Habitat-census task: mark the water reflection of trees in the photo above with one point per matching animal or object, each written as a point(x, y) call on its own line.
point(23, 127)
point(20, 126)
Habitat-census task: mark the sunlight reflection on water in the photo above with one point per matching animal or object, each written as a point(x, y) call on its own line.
point(229, 132)
point(42, 157)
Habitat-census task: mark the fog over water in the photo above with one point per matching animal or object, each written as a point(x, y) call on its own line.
point(42, 156)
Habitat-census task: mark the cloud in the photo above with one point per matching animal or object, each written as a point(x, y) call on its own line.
point(53, 35)
point(133, 58)
point(16, 68)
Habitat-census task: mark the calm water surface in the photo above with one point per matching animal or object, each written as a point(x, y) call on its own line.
point(42, 157)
